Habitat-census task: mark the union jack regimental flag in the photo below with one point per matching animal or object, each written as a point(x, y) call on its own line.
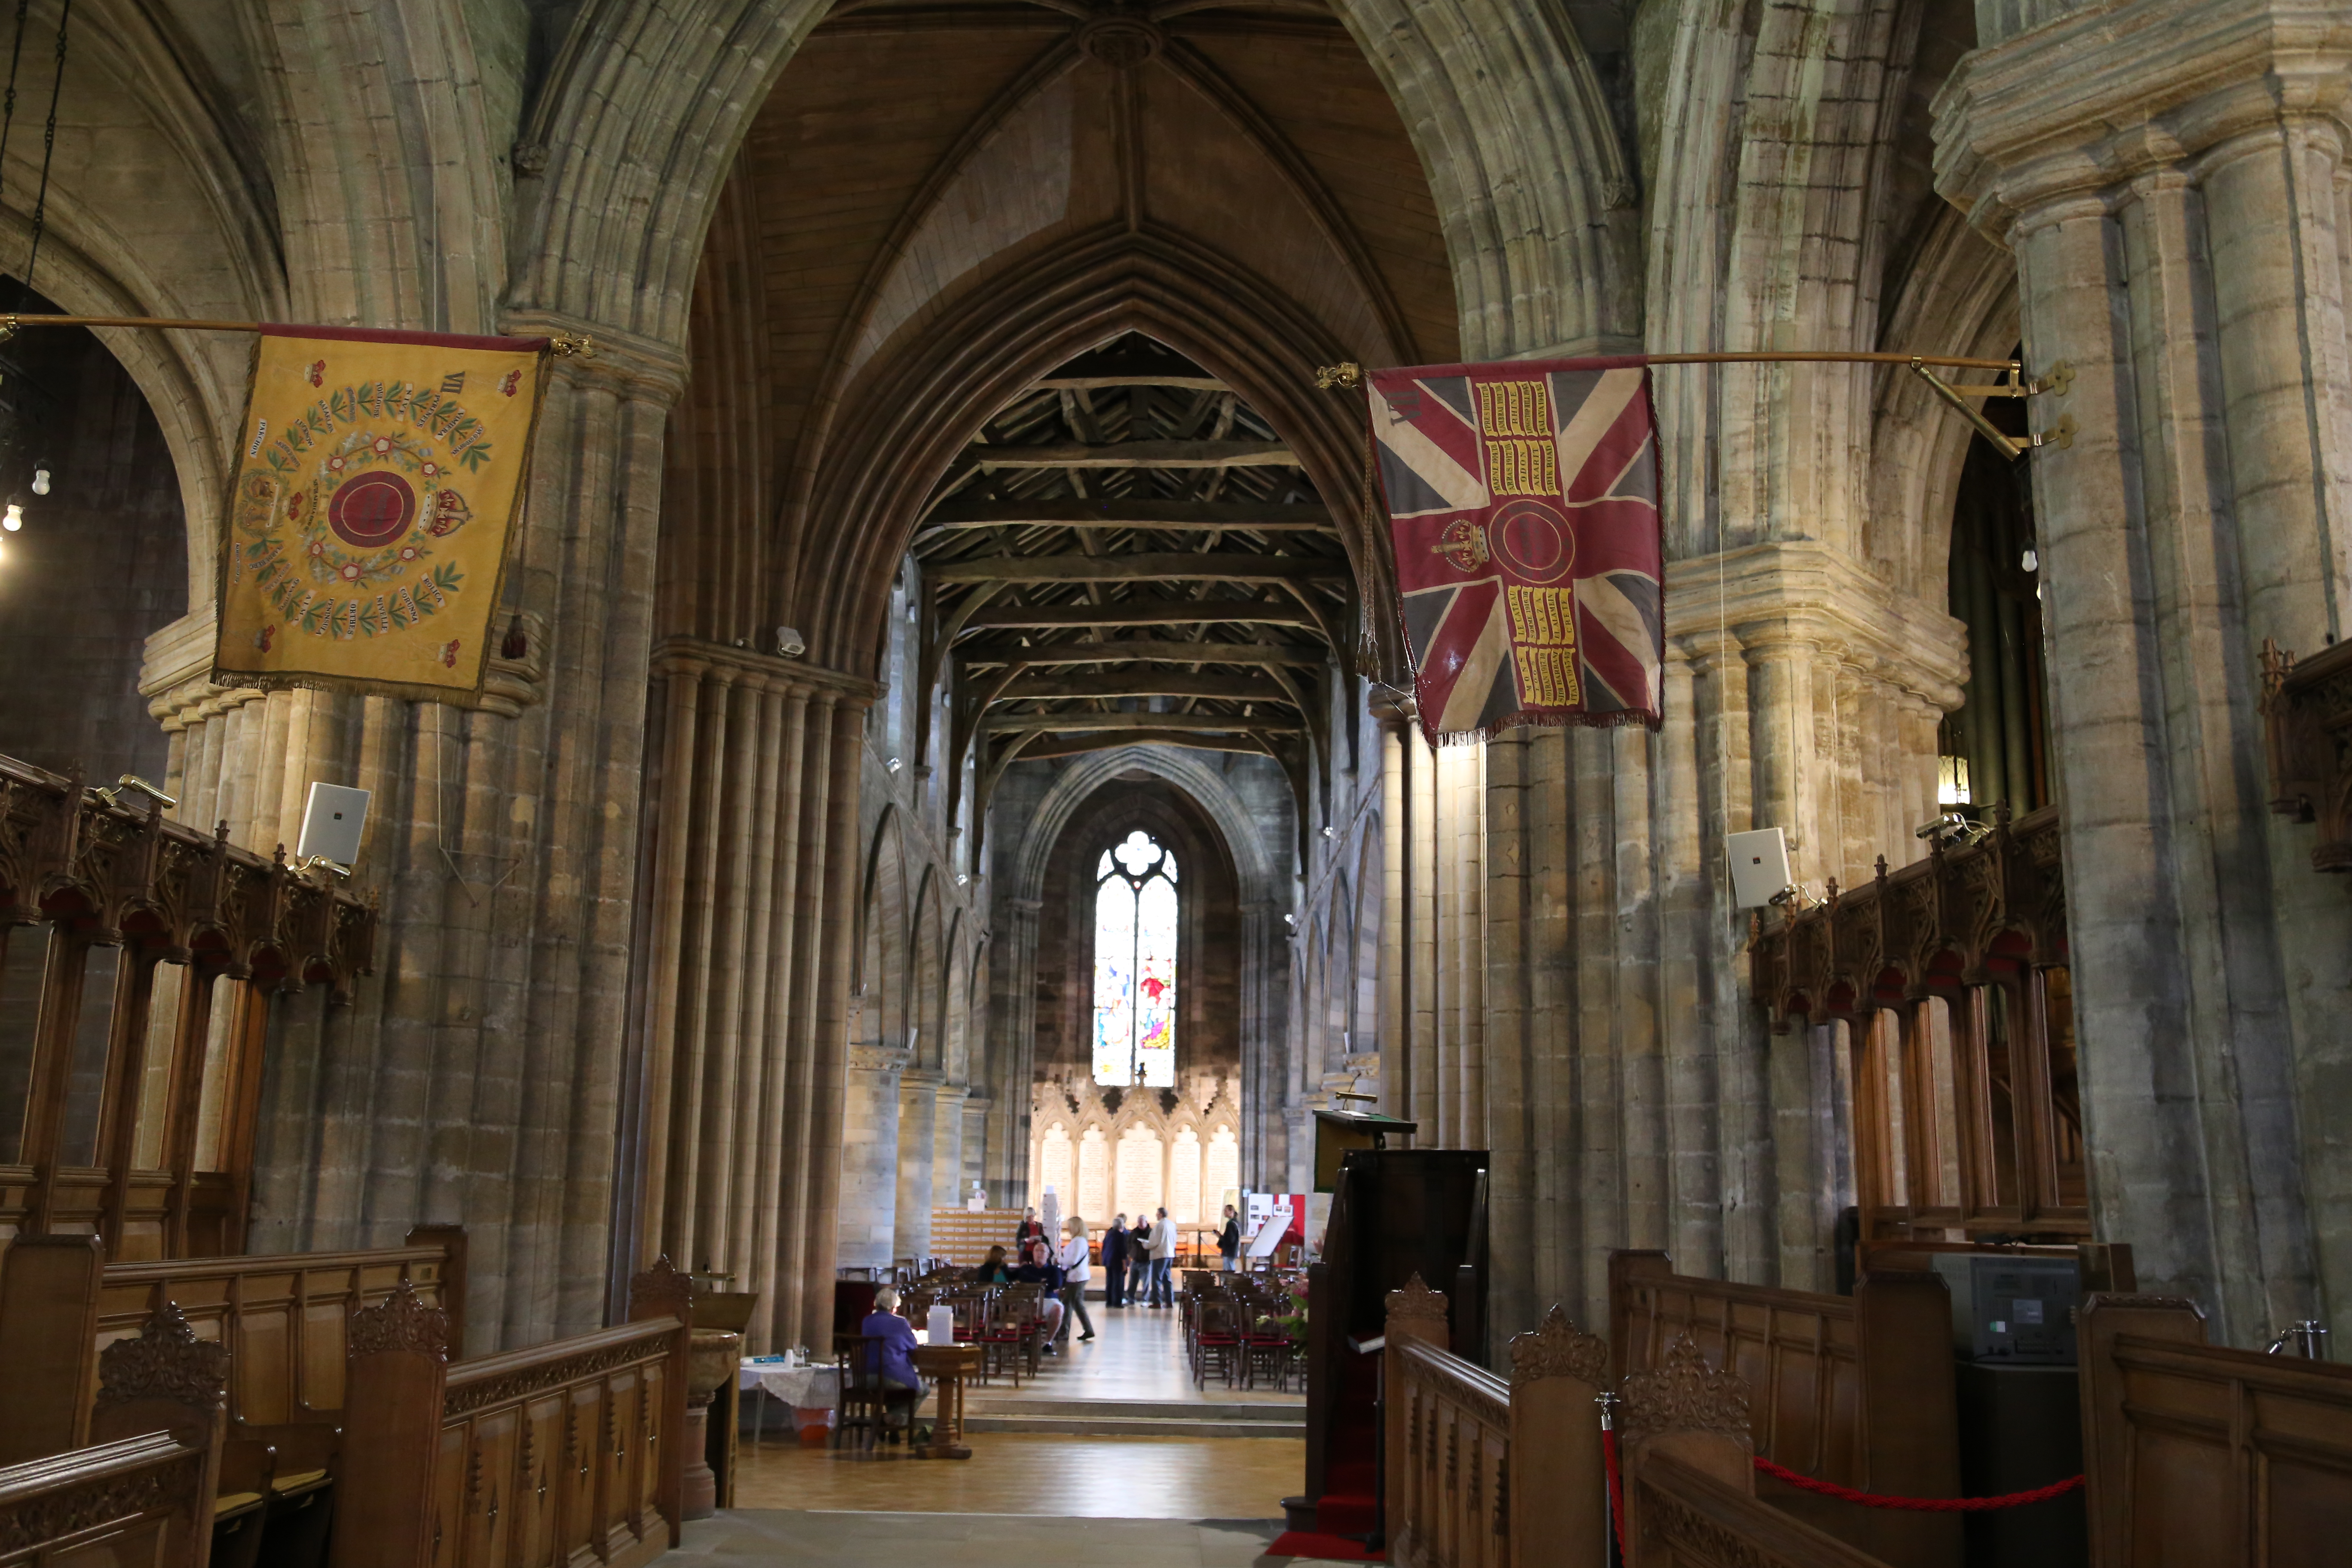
point(1523, 500)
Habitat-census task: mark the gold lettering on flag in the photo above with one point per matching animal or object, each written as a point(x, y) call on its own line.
point(1522, 458)
point(1543, 639)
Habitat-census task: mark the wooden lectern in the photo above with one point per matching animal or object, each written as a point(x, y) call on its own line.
point(1395, 1213)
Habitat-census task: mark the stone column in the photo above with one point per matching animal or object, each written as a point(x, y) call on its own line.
point(948, 1183)
point(868, 1160)
point(978, 1111)
point(476, 1077)
point(1014, 1026)
point(918, 1108)
point(1395, 973)
point(2171, 177)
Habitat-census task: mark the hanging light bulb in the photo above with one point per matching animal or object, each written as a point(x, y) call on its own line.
point(13, 519)
point(41, 478)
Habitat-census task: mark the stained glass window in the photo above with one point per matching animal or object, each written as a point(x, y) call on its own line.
point(1135, 965)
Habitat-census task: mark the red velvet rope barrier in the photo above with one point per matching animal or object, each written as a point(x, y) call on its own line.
point(1616, 1493)
point(1915, 1504)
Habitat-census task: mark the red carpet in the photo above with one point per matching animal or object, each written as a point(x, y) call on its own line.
point(1314, 1543)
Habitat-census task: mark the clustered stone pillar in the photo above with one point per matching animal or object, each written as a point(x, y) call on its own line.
point(476, 1078)
point(1565, 964)
point(869, 1161)
point(746, 853)
point(2171, 178)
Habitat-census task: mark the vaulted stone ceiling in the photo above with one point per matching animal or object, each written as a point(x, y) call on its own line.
point(942, 204)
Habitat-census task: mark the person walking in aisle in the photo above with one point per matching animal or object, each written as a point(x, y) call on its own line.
point(1138, 1263)
point(1229, 1240)
point(1076, 1269)
point(1163, 1258)
point(1114, 1262)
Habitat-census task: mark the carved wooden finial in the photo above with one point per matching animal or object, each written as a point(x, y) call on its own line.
point(662, 1289)
point(401, 1321)
point(1683, 1394)
point(1557, 1348)
point(167, 1360)
point(1417, 1304)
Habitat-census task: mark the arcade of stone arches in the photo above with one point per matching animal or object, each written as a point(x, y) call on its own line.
point(950, 506)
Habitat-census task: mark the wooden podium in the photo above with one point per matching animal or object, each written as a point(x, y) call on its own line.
point(1395, 1213)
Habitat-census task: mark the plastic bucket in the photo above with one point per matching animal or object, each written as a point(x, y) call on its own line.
point(814, 1424)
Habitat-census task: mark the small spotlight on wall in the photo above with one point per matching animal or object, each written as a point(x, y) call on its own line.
point(41, 478)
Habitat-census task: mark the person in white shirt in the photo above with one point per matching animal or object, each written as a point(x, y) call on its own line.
point(1164, 1259)
point(1075, 1274)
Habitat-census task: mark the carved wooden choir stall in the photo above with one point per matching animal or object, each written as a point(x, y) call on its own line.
point(1710, 1377)
point(140, 963)
point(306, 1411)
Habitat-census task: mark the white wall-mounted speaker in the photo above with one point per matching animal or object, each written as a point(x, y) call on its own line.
point(331, 820)
point(1759, 865)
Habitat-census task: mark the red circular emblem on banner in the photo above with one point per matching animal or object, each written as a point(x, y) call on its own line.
point(1532, 539)
point(369, 511)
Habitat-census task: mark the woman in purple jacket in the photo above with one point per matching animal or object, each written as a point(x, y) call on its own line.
point(894, 1360)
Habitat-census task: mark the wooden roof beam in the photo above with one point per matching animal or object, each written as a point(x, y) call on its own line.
point(1147, 612)
point(1152, 566)
point(1144, 682)
point(1076, 745)
point(1150, 651)
point(1112, 511)
point(1136, 454)
point(1100, 383)
point(1185, 723)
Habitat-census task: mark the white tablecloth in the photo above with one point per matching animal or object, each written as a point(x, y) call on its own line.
point(802, 1387)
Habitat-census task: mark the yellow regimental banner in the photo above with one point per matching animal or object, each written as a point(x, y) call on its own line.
point(379, 477)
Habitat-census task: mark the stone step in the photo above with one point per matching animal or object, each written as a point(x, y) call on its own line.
point(993, 1404)
point(1101, 1426)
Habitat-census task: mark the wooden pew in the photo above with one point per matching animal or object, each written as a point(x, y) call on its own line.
point(165, 1379)
point(1856, 1390)
point(144, 1500)
point(281, 1321)
point(282, 1316)
point(2198, 1456)
point(1485, 1473)
point(568, 1452)
point(1687, 1454)
point(48, 1329)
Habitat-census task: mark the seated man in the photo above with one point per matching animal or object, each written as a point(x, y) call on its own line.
point(894, 1360)
point(1039, 1269)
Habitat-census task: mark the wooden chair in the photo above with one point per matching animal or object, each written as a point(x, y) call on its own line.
point(1266, 1350)
point(1219, 1339)
point(863, 1402)
point(1011, 1334)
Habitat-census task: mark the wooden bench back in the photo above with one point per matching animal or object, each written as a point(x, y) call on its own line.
point(1857, 1389)
point(283, 1318)
point(1484, 1472)
point(2201, 1454)
point(568, 1452)
point(1690, 1494)
point(145, 1501)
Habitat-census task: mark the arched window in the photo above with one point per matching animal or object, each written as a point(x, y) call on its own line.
point(1135, 965)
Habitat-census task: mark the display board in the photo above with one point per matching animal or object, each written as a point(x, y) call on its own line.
point(963, 1237)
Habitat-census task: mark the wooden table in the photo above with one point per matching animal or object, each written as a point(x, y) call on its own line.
point(950, 1366)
